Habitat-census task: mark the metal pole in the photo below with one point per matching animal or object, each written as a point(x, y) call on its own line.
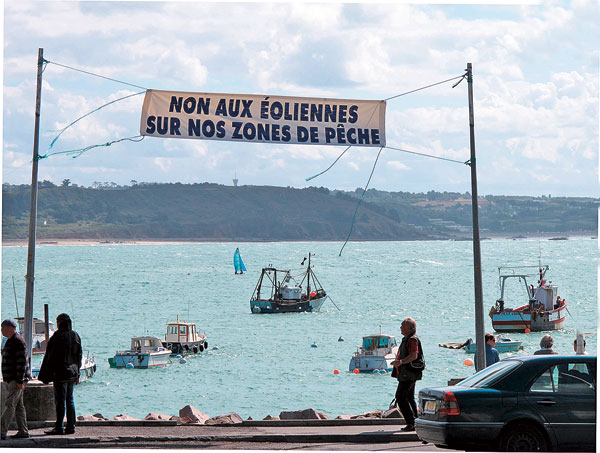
point(46, 323)
point(29, 278)
point(479, 324)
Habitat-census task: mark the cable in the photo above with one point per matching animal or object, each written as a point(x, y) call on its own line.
point(429, 155)
point(361, 199)
point(422, 88)
point(95, 75)
point(79, 152)
point(319, 174)
point(89, 113)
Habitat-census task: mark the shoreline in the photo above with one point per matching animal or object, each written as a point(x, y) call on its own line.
point(46, 242)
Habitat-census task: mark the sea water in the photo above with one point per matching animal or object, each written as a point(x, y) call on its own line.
point(259, 365)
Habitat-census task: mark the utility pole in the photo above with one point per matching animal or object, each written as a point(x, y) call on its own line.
point(30, 277)
point(479, 324)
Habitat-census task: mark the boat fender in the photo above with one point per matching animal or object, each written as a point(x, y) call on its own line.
point(206, 345)
point(201, 348)
point(94, 367)
point(196, 350)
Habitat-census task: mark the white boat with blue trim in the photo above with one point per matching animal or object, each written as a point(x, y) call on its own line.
point(375, 354)
point(145, 352)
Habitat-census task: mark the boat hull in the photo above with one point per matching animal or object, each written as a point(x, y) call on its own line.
point(139, 360)
point(370, 363)
point(500, 346)
point(519, 319)
point(186, 348)
point(286, 306)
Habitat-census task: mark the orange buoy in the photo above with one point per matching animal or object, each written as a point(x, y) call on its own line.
point(313, 294)
point(468, 362)
point(527, 330)
point(336, 371)
point(356, 371)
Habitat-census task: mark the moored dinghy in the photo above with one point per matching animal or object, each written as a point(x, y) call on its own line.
point(376, 353)
point(145, 352)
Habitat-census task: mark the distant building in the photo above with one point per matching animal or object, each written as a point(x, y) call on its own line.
point(235, 180)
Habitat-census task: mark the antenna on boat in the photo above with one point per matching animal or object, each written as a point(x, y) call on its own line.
point(15, 292)
point(379, 329)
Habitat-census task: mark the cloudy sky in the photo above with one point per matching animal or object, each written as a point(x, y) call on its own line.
point(535, 87)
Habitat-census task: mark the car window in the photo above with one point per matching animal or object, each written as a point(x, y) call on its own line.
point(491, 374)
point(574, 377)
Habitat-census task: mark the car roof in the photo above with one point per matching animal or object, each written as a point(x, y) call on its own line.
point(552, 358)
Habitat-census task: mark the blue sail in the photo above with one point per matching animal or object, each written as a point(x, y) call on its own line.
point(238, 264)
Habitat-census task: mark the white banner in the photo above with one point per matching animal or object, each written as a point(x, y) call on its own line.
point(263, 119)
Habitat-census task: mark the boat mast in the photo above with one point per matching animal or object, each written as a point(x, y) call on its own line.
point(29, 278)
point(308, 278)
point(479, 324)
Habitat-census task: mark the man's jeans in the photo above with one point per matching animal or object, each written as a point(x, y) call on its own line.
point(12, 399)
point(63, 396)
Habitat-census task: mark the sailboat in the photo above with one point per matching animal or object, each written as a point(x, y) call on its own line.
point(238, 264)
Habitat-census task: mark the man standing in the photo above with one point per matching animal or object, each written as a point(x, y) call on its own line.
point(408, 368)
point(61, 366)
point(14, 374)
point(546, 344)
point(491, 353)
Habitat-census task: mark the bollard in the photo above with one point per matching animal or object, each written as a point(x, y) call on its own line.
point(39, 401)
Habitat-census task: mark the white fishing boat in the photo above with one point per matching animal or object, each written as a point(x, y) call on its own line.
point(183, 338)
point(145, 352)
point(290, 295)
point(545, 310)
point(375, 354)
point(38, 334)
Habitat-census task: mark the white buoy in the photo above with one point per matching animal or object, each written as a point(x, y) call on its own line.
point(215, 348)
point(178, 356)
point(341, 339)
point(314, 345)
point(182, 360)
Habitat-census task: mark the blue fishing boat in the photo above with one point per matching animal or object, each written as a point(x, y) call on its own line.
point(503, 344)
point(145, 352)
point(238, 264)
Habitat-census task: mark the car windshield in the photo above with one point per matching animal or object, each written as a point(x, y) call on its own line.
point(490, 374)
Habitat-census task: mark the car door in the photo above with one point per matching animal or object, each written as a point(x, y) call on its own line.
point(565, 397)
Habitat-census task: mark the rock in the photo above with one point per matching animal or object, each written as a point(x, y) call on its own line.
point(373, 414)
point(176, 418)
point(190, 414)
point(123, 417)
point(227, 419)
point(268, 417)
point(306, 414)
point(344, 417)
point(250, 418)
point(100, 416)
point(154, 416)
point(89, 417)
point(323, 415)
point(392, 413)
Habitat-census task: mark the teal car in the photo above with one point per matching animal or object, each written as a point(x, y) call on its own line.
point(533, 403)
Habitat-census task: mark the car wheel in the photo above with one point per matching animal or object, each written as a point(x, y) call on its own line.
point(523, 438)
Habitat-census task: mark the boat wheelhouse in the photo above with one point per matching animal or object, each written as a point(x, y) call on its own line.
point(38, 334)
point(183, 338)
point(375, 354)
point(545, 310)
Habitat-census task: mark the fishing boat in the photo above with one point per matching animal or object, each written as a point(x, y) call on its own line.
point(545, 310)
point(290, 295)
point(87, 370)
point(238, 264)
point(145, 352)
point(38, 334)
point(183, 338)
point(376, 353)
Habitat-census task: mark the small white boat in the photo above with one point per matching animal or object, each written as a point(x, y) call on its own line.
point(87, 370)
point(38, 334)
point(376, 353)
point(145, 352)
point(503, 344)
point(183, 338)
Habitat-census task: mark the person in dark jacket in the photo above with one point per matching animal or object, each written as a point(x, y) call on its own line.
point(15, 373)
point(60, 366)
point(408, 368)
